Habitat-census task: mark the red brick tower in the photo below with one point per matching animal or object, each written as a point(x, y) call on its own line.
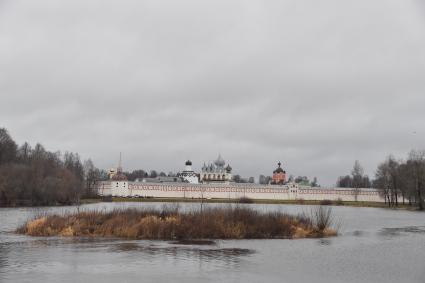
point(279, 175)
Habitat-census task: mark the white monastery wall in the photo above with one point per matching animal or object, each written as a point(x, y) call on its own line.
point(234, 191)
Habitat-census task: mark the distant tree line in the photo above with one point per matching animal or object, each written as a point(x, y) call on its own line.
point(140, 174)
point(357, 179)
point(402, 178)
point(35, 176)
point(239, 179)
point(264, 180)
point(304, 181)
point(91, 176)
point(301, 180)
point(397, 180)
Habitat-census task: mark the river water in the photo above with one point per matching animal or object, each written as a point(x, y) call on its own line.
point(374, 245)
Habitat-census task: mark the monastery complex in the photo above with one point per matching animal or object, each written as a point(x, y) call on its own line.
point(215, 181)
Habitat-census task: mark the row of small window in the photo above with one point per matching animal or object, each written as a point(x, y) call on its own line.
point(209, 176)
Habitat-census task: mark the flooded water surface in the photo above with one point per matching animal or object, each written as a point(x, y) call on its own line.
point(374, 245)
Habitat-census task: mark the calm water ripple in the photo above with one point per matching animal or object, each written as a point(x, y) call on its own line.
point(375, 245)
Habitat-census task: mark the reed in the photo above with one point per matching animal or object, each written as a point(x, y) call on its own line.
point(230, 222)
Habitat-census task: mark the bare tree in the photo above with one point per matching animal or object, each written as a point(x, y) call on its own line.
point(262, 179)
point(153, 174)
point(37, 176)
point(7, 147)
point(382, 181)
point(344, 182)
point(416, 162)
point(314, 183)
point(357, 178)
point(388, 180)
point(91, 177)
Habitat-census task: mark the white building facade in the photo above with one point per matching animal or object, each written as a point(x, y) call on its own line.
point(188, 175)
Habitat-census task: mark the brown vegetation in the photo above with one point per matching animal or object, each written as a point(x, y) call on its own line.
point(245, 200)
point(232, 222)
point(339, 201)
point(326, 202)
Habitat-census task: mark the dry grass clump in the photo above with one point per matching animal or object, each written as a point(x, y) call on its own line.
point(322, 221)
point(232, 222)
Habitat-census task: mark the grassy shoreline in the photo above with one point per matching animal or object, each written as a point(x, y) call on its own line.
point(257, 201)
point(230, 222)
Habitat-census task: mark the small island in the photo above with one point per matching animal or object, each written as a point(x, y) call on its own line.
point(231, 222)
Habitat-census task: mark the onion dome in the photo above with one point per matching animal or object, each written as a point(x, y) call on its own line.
point(228, 168)
point(220, 161)
point(279, 169)
point(188, 163)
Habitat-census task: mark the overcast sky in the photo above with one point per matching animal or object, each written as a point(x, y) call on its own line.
point(314, 84)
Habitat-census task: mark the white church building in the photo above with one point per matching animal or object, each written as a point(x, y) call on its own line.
point(216, 172)
point(188, 175)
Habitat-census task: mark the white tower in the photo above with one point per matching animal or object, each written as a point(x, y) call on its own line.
point(188, 166)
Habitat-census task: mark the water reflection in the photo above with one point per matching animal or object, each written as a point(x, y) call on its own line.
point(4, 251)
point(194, 242)
point(325, 242)
point(399, 231)
point(228, 255)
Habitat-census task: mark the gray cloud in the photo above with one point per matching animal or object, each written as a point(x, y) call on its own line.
point(314, 84)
